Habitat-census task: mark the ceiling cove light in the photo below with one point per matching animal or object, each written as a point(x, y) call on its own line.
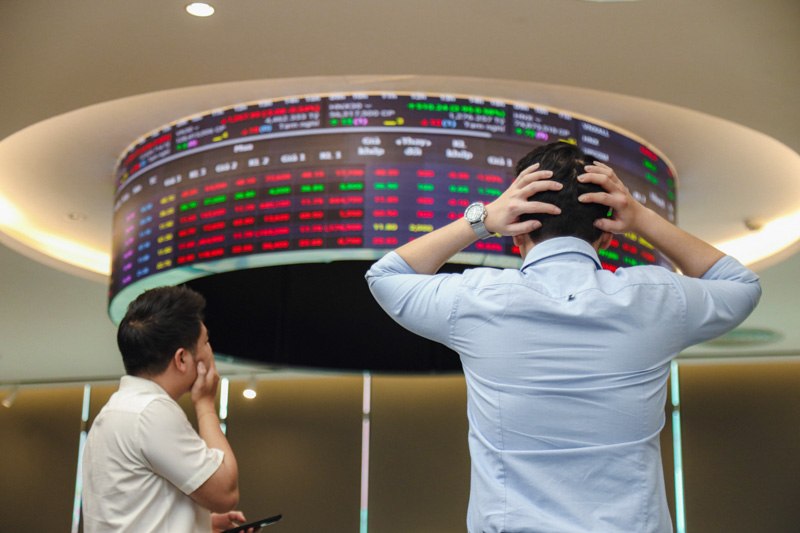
point(9, 215)
point(14, 223)
point(770, 239)
point(200, 9)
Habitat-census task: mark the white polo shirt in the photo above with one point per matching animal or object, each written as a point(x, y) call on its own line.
point(142, 460)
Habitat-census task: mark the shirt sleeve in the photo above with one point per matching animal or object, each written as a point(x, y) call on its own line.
point(421, 303)
point(173, 449)
point(719, 301)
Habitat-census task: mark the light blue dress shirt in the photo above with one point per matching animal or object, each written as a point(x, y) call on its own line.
point(566, 366)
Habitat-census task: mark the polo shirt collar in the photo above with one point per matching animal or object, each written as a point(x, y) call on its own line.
point(129, 382)
point(559, 246)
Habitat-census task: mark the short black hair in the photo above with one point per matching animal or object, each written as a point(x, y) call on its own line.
point(567, 162)
point(156, 325)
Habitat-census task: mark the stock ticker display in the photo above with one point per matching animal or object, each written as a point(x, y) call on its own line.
point(343, 176)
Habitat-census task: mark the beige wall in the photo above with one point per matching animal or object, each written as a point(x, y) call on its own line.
point(299, 450)
point(741, 447)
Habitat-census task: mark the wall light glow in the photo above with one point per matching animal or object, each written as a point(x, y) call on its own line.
point(680, 511)
point(250, 391)
point(365, 416)
point(223, 405)
point(76, 507)
point(8, 401)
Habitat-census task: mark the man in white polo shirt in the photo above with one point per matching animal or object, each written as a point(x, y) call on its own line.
point(145, 468)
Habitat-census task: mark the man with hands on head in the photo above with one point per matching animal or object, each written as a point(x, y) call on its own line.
point(145, 469)
point(566, 364)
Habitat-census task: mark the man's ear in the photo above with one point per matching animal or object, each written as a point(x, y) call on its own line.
point(181, 360)
point(605, 240)
point(518, 240)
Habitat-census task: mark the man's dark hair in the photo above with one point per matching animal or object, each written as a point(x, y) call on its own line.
point(157, 323)
point(567, 162)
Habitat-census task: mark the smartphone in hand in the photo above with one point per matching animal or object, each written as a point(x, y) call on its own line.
point(254, 525)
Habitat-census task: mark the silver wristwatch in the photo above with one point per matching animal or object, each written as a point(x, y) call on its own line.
point(475, 215)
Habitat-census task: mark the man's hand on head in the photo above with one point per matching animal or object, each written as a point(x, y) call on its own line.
point(691, 255)
point(627, 212)
point(502, 215)
point(428, 253)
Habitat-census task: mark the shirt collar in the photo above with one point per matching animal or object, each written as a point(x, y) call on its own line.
point(559, 246)
point(136, 383)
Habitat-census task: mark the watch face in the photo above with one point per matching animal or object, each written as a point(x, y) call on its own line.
point(474, 212)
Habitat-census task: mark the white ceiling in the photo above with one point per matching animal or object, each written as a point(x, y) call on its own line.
point(712, 84)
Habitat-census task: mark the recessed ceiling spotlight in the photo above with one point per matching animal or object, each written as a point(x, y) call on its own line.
point(76, 217)
point(200, 9)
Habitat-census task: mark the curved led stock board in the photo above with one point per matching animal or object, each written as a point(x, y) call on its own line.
point(339, 177)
